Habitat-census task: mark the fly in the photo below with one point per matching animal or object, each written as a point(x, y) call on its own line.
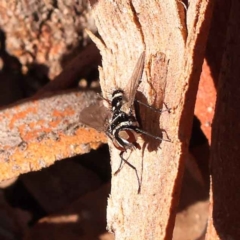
point(119, 121)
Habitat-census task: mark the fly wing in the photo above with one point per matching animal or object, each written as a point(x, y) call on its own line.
point(134, 81)
point(96, 116)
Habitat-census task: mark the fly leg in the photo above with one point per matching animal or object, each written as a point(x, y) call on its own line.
point(139, 130)
point(121, 163)
point(131, 166)
point(153, 108)
point(123, 160)
point(100, 96)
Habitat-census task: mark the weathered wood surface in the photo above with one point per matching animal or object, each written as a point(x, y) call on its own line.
point(174, 41)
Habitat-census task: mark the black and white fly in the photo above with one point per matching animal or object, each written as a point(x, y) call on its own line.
point(119, 121)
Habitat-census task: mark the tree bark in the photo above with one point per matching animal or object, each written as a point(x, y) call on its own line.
point(37, 132)
point(174, 41)
point(224, 222)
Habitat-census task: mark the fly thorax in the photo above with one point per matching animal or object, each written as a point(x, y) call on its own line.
point(117, 100)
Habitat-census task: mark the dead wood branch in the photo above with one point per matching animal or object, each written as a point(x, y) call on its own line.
point(174, 42)
point(36, 133)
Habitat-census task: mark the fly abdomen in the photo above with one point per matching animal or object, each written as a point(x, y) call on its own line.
point(120, 118)
point(123, 129)
point(125, 137)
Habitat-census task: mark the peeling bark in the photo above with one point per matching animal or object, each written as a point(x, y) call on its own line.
point(174, 42)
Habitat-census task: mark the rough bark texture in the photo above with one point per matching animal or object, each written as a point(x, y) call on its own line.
point(225, 165)
point(174, 41)
point(44, 32)
point(68, 77)
point(35, 134)
point(37, 40)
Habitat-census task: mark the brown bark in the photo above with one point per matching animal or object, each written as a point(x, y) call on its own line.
point(36, 133)
point(68, 77)
point(43, 36)
point(225, 220)
point(45, 32)
point(174, 42)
